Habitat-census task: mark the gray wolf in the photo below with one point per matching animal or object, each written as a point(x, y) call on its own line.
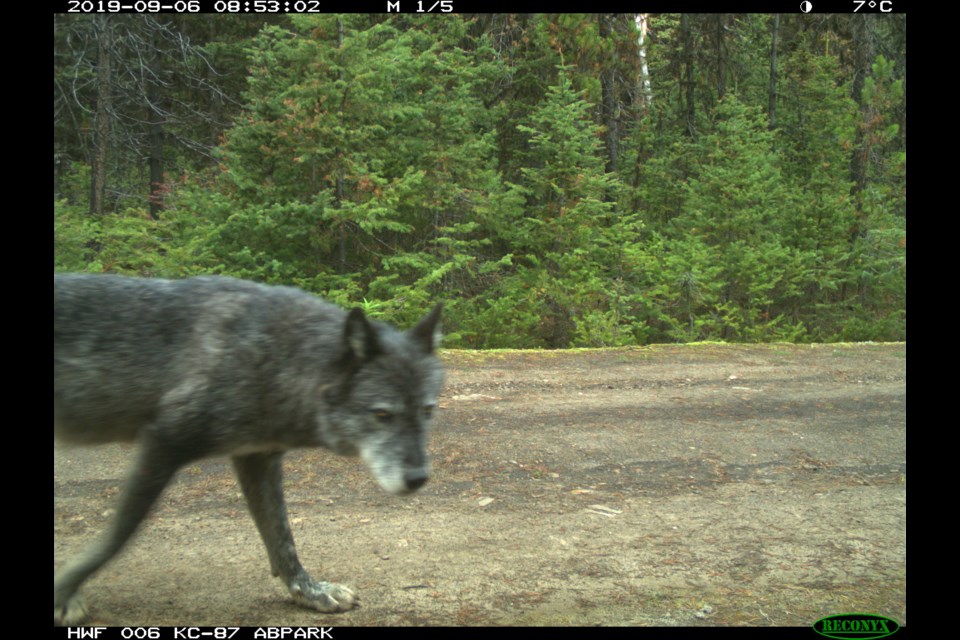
point(215, 366)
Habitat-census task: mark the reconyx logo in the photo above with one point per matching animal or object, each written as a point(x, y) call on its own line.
point(863, 626)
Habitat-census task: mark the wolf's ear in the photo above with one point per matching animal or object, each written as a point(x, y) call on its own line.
point(360, 336)
point(427, 332)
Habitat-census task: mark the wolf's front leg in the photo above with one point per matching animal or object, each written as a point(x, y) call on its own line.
point(261, 477)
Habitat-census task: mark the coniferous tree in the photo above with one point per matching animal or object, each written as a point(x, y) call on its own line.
point(511, 164)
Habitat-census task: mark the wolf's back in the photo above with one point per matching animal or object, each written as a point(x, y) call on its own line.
point(120, 344)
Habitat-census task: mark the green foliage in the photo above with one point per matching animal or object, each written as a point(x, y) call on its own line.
point(728, 264)
point(877, 269)
point(817, 132)
point(129, 241)
point(75, 237)
point(565, 234)
point(388, 162)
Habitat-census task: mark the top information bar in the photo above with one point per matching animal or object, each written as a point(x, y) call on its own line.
point(467, 6)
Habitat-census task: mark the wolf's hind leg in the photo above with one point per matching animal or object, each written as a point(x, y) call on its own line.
point(261, 477)
point(153, 470)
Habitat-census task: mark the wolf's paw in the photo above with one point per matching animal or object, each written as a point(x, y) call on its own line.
point(323, 596)
point(69, 613)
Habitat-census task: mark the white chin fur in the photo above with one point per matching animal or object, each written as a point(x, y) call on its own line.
point(391, 479)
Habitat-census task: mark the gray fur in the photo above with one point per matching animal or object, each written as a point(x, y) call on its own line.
point(216, 366)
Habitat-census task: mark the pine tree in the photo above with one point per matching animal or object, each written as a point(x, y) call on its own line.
point(728, 267)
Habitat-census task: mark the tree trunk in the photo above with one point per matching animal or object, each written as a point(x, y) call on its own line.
point(721, 76)
point(688, 108)
point(643, 23)
point(338, 152)
point(772, 94)
point(101, 130)
point(156, 150)
point(864, 52)
point(609, 97)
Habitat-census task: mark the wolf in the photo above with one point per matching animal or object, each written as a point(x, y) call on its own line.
point(212, 366)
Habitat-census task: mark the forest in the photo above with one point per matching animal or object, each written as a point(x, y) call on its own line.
point(558, 180)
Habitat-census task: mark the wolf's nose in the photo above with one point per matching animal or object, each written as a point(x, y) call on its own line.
point(415, 479)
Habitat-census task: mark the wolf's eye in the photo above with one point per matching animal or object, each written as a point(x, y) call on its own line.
point(382, 415)
point(428, 410)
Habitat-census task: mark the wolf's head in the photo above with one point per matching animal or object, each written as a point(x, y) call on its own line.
point(390, 382)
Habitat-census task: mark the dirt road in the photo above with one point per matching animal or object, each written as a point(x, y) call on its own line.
point(670, 485)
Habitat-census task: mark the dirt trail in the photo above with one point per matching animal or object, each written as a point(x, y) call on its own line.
point(670, 485)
